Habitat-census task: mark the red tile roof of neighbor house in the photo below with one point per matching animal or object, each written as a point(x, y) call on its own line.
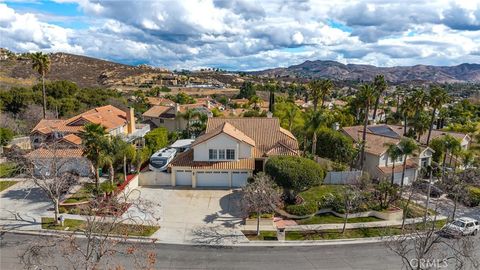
point(156, 111)
point(108, 116)
point(59, 153)
point(72, 138)
point(160, 101)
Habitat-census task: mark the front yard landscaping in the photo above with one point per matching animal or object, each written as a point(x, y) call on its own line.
point(354, 233)
point(9, 169)
point(85, 193)
point(119, 229)
point(264, 235)
point(329, 218)
point(6, 184)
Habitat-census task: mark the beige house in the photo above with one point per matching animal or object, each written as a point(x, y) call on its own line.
point(230, 151)
point(377, 161)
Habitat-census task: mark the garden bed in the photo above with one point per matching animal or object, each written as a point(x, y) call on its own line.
point(120, 229)
point(264, 235)
point(329, 218)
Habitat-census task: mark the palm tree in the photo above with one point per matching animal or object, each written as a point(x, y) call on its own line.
point(450, 146)
point(408, 111)
point(315, 120)
point(437, 97)
point(393, 153)
point(93, 141)
point(420, 124)
point(188, 115)
point(314, 92)
point(256, 101)
point(41, 64)
point(407, 147)
point(380, 87)
point(366, 94)
point(326, 87)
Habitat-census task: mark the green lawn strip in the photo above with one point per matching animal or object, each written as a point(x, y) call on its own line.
point(8, 169)
point(329, 218)
point(414, 210)
point(317, 193)
point(85, 193)
point(264, 235)
point(332, 234)
point(120, 229)
point(6, 184)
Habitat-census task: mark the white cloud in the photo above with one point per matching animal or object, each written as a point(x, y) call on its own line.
point(241, 34)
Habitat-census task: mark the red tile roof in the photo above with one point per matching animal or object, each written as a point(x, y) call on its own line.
point(59, 153)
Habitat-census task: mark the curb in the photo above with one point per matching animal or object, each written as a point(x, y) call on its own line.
point(138, 239)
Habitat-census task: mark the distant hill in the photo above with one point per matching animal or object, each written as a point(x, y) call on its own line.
point(15, 69)
point(351, 72)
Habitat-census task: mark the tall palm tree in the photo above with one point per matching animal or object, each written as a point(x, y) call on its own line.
point(450, 146)
point(290, 116)
point(393, 153)
point(315, 120)
point(367, 95)
point(420, 124)
point(380, 87)
point(408, 111)
point(326, 87)
point(93, 141)
point(407, 147)
point(314, 92)
point(41, 64)
point(188, 115)
point(437, 97)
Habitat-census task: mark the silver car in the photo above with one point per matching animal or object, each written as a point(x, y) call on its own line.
point(461, 227)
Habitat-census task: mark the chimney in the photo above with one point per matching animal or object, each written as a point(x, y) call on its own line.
point(269, 114)
point(130, 121)
point(177, 108)
point(209, 114)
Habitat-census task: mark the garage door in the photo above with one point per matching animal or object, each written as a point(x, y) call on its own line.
point(183, 178)
point(212, 179)
point(239, 179)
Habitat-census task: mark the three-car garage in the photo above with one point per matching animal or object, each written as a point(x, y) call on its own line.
point(217, 179)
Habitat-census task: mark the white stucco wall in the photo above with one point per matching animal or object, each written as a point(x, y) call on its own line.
point(221, 141)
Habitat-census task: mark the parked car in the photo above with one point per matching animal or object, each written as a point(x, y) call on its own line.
point(423, 187)
point(462, 226)
point(159, 160)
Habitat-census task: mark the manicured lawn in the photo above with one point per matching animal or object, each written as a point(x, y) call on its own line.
point(84, 194)
point(414, 210)
point(351, 233)
point(264, 235)
point(8, 169)
point(120, 229)
point(317, 193)
point(329, 218)
point(6, 184)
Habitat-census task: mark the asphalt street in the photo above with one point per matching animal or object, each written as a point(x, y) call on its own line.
point(347, 256)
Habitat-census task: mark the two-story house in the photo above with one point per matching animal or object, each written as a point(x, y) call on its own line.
point(61, 137)
point(377, 161)
point(230, 151)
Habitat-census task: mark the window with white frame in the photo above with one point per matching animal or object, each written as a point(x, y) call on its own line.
point(212, 154)
point(230, 154)
point(221, 153)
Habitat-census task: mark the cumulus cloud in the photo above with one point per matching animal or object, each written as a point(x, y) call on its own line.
point(247, 35)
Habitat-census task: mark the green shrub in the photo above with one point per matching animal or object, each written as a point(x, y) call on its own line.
point(307, 208)
point(294, 173)
point(156, 139)
point(334, 145)
point(74, 211)
point(62, 210)
point(473, 196)
point(9, 169)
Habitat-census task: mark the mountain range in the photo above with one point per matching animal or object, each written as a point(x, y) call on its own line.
point(399, 74)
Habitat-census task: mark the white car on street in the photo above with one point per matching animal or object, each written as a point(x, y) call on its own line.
point(461, 227)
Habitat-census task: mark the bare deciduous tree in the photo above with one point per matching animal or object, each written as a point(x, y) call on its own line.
point(351, 198)
point(260, 196)
point(53, 174)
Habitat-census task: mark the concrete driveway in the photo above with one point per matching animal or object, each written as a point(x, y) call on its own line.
point(196, 215)
point(22, 206)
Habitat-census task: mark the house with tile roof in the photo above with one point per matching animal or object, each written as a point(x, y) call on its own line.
point(230, 151)
point(64, 134)
point(377, 162)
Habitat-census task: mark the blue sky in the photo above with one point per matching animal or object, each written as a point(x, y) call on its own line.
point(247, 35)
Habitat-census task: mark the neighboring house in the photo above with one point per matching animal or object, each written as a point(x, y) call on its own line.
point(171, 116)
point(377, 162)
point(115, 121)
point(64, 135)
point(66, 160)
point(230, 151)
